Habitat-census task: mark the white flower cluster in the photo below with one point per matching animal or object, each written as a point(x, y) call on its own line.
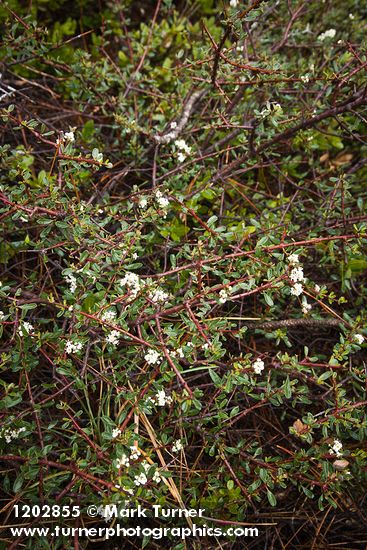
point(109, 315)
point(330, 33)
point(336, 447)
point(9, 434)
point(158, 296)
point(223, 296)
point(69, 136)
point(134, 453)
point(177, 446)
point(116, 432)
point(293, 259)
point(178, 353)
point(305, 78)
point(71, 281)
point(73, 347)
point(258, 366)
point(184, 149)
point(233, 3)
point(66, 136)
point(359, 338)
point(123, 461)
point(161, 201)
point(141, 479)
point(161, 399)
point(297, 289)
point(132, 281)
point(113, 337)
point(25, 328)
point(152, 357)
point(296, 275)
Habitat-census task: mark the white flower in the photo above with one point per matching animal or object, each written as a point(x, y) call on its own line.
point(9, 434)
point(336, 447)
point(134, 453)
point(180, 353)
point(306, 307)
point(2, 315)
point(108, 315)
point(132, 281)
point(158, 296)
point(69, 136)
point(181, 157)
point(156, 477)
point(223, 296)
point(351, 16)
point(317, 289)
point(296, 274)
point(206, 345)
point(146, 466)
point(161, 398)
point(113, 337)
point(141, 479)
point(181, 144)
point(258, 366)
point(177, 446)
point(123, 461)
point(116, 432)
point(173, 125)
point(184, 149)
point(293, 259)
point(359, 339)
point(162, 201)
point(71, 280)
point(106, 512)
point(143, 202)
point(305, 78)
point(25, 328)
point(297, 289)
point(330, 33)
point(233, 3)
point(152, 357)
point(73, 347)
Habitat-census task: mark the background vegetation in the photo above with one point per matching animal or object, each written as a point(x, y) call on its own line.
point(183, 206)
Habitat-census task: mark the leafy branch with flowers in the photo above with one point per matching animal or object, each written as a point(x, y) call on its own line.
point(183, 258)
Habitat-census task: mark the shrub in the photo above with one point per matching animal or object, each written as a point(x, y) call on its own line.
point(183, 257)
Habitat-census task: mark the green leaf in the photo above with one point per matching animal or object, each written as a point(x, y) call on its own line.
point(271, 498)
